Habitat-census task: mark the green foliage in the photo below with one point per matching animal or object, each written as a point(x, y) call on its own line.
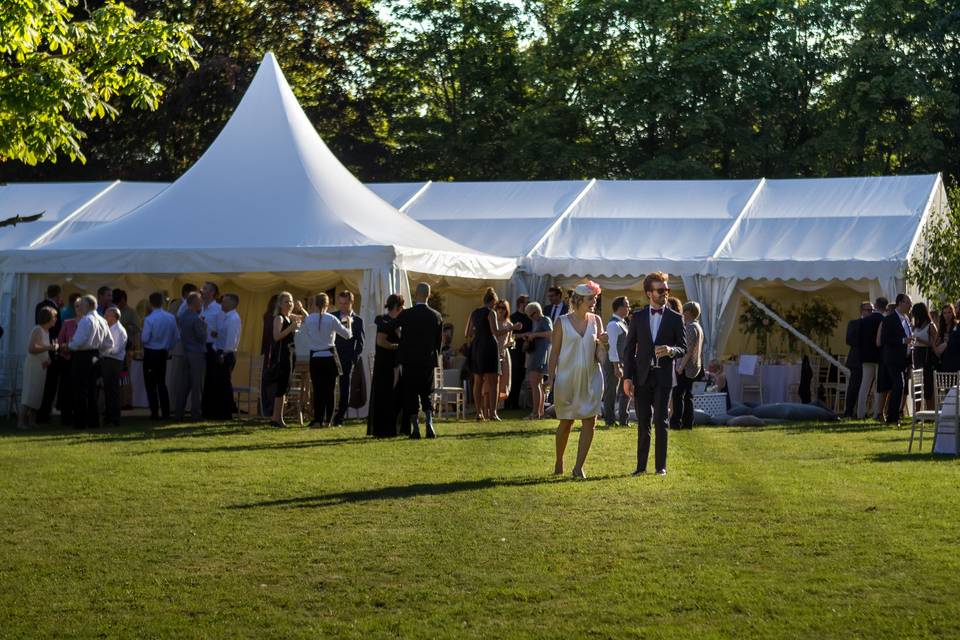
point(56, 72)
point(818, 319)
point(935, 266)
point(754, 322)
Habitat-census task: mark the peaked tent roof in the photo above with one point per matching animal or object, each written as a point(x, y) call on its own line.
point(267, 195)
point(57, 201)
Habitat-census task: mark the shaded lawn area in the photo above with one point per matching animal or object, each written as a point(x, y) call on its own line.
point(240, 530)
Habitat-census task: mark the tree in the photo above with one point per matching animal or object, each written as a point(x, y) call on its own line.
point(56, 72)
point(935, 265)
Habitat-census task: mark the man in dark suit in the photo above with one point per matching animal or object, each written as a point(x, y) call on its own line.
point(556, 307)
point(869, 354)
point(518, 356)
point(896, 341)
point(655, 338)
point(853, 360)
point(349, 352)
point(55, 368)
point(421, 336)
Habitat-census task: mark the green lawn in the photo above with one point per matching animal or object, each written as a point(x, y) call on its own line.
point(235, 530)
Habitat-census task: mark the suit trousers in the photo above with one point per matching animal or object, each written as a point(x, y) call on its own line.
point(212, 382)
point(344, 401)
point(896, 374)
point(518, 372)
point(683, 402)
point(323, 376)
point(51, 385)
point(155, 381)
point(193, 367)
point(83, 372)
point(853, 389)
point(615, 401)
point(225, 406)
point(417, 385)
point(110, 369)
point(651, 396)
point(868, 379)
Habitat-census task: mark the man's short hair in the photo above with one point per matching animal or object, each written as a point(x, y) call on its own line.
point(346, 294)
point(194, 296)
point(53, 290)
point(555, 291)
point(213, 285)
point(656, 276)
point(693, 308)
point(233, 297)
point(104, 290)
point(113, 310)
point(881, 303)
point(90, 300)
point(522, 301)
point(187, 289)
point(619, 302)
point(156, 300)
point(119, 295)
point(901, 298)
point(423, 290)
point(866, 305)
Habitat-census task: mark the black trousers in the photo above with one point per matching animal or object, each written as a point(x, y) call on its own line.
point(51, 385)
point(683, 401)
point(155, 381)
point(347, 365)
point(896, 375)
point(110, 369)
point(65, 392)
point(651, 397)
point(417, 385)
point(323, 375)
point(226, 407)
point(518, 371)
point(83, 371)
point(853, 390)
point(212, 382)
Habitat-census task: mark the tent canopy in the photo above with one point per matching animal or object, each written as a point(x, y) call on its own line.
point(266, 196)
point(57, 201)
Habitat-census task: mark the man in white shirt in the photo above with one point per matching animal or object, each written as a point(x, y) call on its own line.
point(112, 363)
point(321, 329)
point(159, 337)
point(212, 315)
point(92, 337)
point(615, 401)
point(227, 344)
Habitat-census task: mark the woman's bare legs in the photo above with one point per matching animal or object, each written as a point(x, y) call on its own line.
point(536, 394)
point(586, 439)
point(491, 387)
point(563, 434)
point(278, 409)
point(478, 402)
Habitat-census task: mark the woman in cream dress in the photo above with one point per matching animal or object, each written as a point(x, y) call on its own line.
point(35, 367)
point(576, 373)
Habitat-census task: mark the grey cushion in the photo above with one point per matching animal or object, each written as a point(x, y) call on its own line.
point(722, 419)
point(745, 421)
point(699, 417)
point(793, 411)
point(739, 410)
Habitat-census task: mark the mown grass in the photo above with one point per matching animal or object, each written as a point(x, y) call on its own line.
point(240, 530)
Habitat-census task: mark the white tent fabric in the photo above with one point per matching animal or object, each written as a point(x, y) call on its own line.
point(57, 200)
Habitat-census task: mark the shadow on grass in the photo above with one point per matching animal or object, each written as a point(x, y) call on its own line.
point(915, 456)
point(406, 491)
point(799, 428)
point(138, 431)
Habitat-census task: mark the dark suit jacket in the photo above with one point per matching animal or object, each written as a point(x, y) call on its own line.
point(548, 310)
point(853, 341)
point(421, 335)
point(55, 329)
point(350, 350)
point(869, 351)
point(891, 342)
point(524, 319)
point(639, 348)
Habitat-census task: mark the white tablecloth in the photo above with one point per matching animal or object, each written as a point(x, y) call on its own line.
point(140, 390)
point(776, 378)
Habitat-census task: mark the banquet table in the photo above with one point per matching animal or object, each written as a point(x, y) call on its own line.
point(776, 379)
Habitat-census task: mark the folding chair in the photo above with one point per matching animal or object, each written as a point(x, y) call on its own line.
point(915, 402)
point(249, 395)
point(442, 393)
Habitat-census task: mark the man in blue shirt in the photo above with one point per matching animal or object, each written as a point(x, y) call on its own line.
point(160, 335)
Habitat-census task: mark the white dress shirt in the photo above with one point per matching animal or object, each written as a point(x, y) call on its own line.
point(655, 319)
point(907, 331)
point(118, 350)
point(228, 340)
point(182, 307)
point(160, 332)
point(616, 330)
point(212, 314)
point(321, 332)
point(92, 334)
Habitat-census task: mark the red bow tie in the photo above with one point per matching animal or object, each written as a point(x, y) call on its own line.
point(656, 311)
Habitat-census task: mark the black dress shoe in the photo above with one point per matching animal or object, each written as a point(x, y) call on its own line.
point(314, 423)
point(415, 434)
point(662, 472)
point(638, 472)
point(431, 434)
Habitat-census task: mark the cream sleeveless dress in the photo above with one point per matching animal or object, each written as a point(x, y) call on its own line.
point(578, 389)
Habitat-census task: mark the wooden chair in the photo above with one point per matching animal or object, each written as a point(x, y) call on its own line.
point(753, 384)
point(915, 404)
point(249, 395)
point(442, 395)
point(299, 402)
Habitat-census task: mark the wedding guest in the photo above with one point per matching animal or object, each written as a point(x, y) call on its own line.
point(227, 345)
point(35, 367)
point(853, 360)
point(384, 400)
point(869, 357)
point(504, 343)
point(482, 331)
point(91, 338)
point(104, 299)
point(421, 334)
point(897, 340)
point(948, 340)
point(656, 337)
point(615, 401)
point(131, 322)
point(177, 357)
point(179, 306)
point(674, 304)
point(556, 307)
point(112, 363)
point(884, 383)
point(576, 350)
point(286, 323)
point(212, 316)
point(70, 309)
point(65, 391)
point(925, 336)
point(518, 355)
point(53, 369)
point(160, 336)
point(267, 388)
point(321, 330)
point(537, 345)
point(717, 378)
point(349, 351)
point(193, 364)
point(446, 345)
point(689, 368)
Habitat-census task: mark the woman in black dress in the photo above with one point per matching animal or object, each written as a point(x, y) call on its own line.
point(483, 329)
point(948, 344)
point(286, 323)
point(384, 400)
